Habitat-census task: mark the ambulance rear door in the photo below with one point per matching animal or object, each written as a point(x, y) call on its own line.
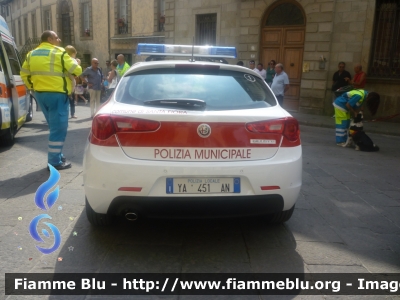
point(20, 94)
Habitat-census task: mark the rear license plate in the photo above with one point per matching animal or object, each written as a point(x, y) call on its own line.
point(207, 185)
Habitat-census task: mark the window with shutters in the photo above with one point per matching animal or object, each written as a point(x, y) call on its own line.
point(86, 19)
point(385, 46)
point(34, 26)
point(206, 29)
point(19, 32)
point(26, 32)
point(122, 17)
point(47, 19)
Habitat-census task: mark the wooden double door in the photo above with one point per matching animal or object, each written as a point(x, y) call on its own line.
point(285, 45)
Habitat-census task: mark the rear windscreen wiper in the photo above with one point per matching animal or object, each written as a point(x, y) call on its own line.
point(182, 102)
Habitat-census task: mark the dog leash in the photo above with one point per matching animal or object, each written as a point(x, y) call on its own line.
point(382, 118)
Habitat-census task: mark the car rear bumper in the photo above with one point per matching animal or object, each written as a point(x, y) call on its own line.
point(197, 207)
point(107, 169)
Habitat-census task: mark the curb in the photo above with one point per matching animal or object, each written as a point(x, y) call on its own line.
point(367, 130)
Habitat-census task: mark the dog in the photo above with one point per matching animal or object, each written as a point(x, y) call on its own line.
point(357, 136)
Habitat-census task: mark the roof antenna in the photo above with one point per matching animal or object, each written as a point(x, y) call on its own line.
point(192, 59)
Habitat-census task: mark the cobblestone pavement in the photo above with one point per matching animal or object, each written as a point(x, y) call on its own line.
point(346, 219)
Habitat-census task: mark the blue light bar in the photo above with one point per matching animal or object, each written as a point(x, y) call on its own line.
point(186, 50)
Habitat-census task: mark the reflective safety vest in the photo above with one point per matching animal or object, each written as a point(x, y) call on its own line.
point(123, 70)
point(361, 96)
point(46, 69)
point(355, 98)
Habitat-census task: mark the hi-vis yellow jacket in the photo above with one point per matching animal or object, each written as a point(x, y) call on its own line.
point(45, 69)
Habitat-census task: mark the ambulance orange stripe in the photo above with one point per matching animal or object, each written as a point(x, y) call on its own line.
point(4, 89)
point(21, 90)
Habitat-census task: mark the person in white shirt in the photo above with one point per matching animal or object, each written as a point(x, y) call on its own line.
point(280, 83)
point(261, 71)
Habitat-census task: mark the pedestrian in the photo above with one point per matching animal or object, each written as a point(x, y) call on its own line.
point(113, 78)
point(270, 72)
point(239, 63)
point(94, 79)
point(79, 89)
point(252, 65)
point(349, 104)
point(43, 71)
point(261, 71)
point(280, 83)
point(122, 65)
point(72, 53)
point(108, 67)
point(360, 78)
point(339, 79)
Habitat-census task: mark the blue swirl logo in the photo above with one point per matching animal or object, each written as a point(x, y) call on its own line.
point(51, 198)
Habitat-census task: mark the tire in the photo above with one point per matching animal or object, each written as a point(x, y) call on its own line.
point(97, 219)
point(281, 217)
point(8, 138)
point(29, 116)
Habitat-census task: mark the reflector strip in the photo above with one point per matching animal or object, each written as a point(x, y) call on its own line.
point(270, 187)
point(130, 189)
point(186, 50)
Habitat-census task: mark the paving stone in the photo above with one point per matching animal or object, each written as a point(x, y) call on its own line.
point(336, 269)
point(317, 253)
point(308, 226)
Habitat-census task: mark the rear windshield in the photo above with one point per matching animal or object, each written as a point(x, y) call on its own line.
point(219, 89)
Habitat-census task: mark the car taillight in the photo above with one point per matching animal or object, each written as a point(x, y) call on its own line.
point(273, 126)
point(102, 127)
point(126, 124)
point(292, 130)
point(105, 128)
point(288, 127)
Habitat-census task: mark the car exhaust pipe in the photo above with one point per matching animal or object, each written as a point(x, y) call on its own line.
point(131, 216)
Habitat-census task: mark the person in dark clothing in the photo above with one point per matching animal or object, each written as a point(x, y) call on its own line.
point(339, 79)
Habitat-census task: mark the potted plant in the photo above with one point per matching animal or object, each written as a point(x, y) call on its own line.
point(121, 22)
point(87, 32)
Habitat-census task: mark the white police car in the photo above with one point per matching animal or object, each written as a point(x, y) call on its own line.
point(191, 139)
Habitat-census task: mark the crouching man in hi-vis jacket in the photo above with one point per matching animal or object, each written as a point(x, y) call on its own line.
point(45, 71)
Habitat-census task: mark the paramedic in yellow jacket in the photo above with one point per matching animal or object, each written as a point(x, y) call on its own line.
point(45, 71)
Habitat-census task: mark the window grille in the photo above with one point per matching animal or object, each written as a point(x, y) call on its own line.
point(206, 29)
point(285, 14)
point(385, 51)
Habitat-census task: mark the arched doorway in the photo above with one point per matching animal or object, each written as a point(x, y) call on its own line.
point(282, 39)
point(64, 21)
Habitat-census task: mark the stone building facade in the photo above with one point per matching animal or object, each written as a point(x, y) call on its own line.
point(96, 28)
point(310, 37)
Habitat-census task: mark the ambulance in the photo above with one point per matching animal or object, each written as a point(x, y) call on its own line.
point(15, 98)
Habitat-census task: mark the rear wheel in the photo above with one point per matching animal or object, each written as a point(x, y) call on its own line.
point(95, 218)
point(29, 116)
point(282, 216)
point(7, 139)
